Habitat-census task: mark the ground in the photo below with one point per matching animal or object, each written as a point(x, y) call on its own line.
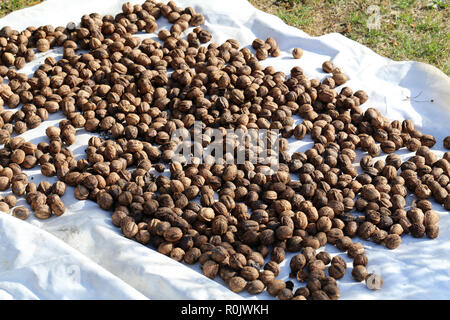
point(6, 6)
point(398, 29)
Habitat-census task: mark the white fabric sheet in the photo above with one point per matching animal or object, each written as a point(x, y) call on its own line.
point(81, 255)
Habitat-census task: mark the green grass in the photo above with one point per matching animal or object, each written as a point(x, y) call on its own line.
point(298, 15)
point(7, 6)
point(408, 30)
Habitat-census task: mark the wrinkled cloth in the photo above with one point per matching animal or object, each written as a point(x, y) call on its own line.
point(81, 255)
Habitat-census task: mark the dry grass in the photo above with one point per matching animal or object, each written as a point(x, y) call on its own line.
point(7, 6)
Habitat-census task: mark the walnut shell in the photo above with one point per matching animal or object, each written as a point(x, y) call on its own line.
point(21, 212)
point(297, 53)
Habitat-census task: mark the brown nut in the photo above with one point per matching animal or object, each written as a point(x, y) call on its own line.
point(21, 212)
point(297, 53)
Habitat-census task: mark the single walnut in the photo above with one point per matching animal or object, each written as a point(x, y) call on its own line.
point(8, 59)
point(332, 291)
point(45, 187)
point(422, 191)
point(360, 259)
point(315, 265)
point(42, 212)
point(261, 53)
point(81, 192)
point(11, 200)
point(4, 183)
point(173, 234)
point(336, 271)
point(206, 214)
point(413, 144)
point(355, 249)
point(324, 257)
point(300, 131)
point(432, 231)
point(210, 269)
point(129, 227)
point(56, 204)
point(18, 188)
point(388, 146)
point(417, 230)
point(392, 241)
point(297, 262)
point(219, 254)
point(379, 236)
point(53, 132)
point(59, 188)
point(21, 212)
point(176, 254)
point(104, 200)
point(285, 294)
point(359, 273)
point(297, 53)
point(143, 236)
point(277, 254)
point(345, 242)
point(334, 235)
point(284, 232)
point(266, 276)
point(43, 45)
point(237, 284)
point(165, 248)
point(427, 140)
point(274, 287)
point(192, 255)
point(366, 229)
point(18, 156)
point(4, 207)
point(255, 287)
point(328, 67)
point(338, 260)
point(258, 43)
point(48, 169)
point(447, 142)
point(430, 218)
point(249, 273)
point(339, 78)
point(237, 261)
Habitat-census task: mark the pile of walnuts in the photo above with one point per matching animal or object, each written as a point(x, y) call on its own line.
point(230, 218)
